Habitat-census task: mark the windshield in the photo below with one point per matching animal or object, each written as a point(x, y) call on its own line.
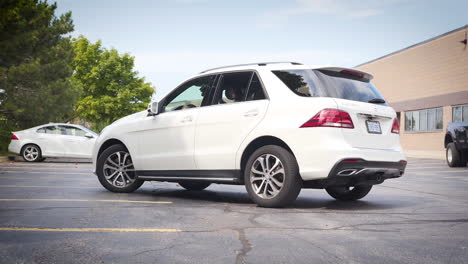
point(323, 83)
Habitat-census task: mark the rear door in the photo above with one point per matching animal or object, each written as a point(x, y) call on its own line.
point(353, 94)
point(50, 141)
point(238, 105)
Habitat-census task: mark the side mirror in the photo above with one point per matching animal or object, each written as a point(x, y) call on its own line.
point(89, 135)
point(153, 108)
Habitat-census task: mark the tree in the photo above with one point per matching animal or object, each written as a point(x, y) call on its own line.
point(111, 88)
point(35, 64)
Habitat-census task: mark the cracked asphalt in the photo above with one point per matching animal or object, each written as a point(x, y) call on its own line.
point(57, 212)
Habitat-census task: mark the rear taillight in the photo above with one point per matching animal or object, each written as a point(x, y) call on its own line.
point(14, 137)
point(396, 126)
point(330, 118)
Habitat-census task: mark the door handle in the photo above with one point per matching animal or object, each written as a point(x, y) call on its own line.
point(186, 119)
point(252, 112)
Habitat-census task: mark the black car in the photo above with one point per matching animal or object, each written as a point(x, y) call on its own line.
point(456, 144)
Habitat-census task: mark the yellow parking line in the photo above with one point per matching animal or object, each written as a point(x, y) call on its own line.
point(84, 200)
point(41, 229)
point(51, 172)
point(47, 186)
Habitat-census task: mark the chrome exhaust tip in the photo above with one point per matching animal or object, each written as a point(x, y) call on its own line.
point(347, 172)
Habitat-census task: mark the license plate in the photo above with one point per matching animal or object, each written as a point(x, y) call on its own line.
point(373, 127)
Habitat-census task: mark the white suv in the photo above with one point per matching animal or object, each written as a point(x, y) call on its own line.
point(273, 127)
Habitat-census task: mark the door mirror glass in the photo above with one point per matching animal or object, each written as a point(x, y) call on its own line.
point(89, 135)
point(153, 108)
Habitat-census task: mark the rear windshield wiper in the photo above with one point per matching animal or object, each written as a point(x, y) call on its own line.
point(376, 101)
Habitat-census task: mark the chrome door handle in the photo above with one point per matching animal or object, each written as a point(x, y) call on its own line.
point(252, 112)
point(186, 119)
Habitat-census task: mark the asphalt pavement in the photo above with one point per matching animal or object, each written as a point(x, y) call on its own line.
point(57, 212)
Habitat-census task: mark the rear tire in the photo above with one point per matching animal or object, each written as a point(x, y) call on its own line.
point(194, 186)
point(31, 153)
point(454, 157)
point(271, 177)
point(115, 170)
point(344, 193)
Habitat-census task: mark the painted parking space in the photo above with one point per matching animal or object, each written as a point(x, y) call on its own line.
point(67, 210)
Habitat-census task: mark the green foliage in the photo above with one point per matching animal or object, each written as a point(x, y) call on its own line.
point(35, 64)
point(111, 88)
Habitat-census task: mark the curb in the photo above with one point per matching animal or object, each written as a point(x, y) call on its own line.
point(7, 158)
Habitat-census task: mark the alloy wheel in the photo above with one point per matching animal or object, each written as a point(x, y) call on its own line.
point(118, 169)
point(267, 176)
point(31, 153)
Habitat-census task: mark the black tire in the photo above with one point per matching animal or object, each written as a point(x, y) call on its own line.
point(101, 171)
point(292, 182)
point(457, 159)
point(26, 154)
point(194, 186)
point(343, 193)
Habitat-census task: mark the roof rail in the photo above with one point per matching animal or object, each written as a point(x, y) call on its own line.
point(248, 64)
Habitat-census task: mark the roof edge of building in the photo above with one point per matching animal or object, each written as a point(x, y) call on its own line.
point(414, 45)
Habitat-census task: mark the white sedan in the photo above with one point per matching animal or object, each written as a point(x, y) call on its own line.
point(53, 140)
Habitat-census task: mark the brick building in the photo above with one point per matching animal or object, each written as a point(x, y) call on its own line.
point(427, 84)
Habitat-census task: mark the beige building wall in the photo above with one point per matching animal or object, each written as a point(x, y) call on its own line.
point(430, 74)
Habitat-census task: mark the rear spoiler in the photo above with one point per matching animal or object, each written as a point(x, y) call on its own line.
point(347, 73)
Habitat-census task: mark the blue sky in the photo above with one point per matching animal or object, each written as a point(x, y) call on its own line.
point(174, 39)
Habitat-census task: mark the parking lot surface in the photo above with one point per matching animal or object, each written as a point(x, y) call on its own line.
point(57, 212)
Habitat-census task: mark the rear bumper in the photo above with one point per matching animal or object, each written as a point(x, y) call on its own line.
point(14, 147)
point(352, 172)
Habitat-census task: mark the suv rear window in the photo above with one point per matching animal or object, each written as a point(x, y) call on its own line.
point(323, 83)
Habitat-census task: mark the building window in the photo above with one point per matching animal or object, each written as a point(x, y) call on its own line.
point(460, 113)
point(424, 120)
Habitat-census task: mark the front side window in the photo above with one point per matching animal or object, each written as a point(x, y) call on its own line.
point(189, 95)
point(232, 87)
point(71, 131)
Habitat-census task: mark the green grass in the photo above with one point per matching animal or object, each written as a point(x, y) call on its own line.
point(6, 154)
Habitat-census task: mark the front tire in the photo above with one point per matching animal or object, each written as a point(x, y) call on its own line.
point(31, 153)
point(454, 157)
point(346, 193)
point(271, 177)
point(194, 186)
point(115, 170)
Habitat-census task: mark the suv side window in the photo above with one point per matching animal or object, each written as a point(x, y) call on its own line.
point(194, 93)
point(255, 91)
point(232, 87)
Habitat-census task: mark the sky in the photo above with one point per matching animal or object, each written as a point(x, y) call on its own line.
point(173, 40)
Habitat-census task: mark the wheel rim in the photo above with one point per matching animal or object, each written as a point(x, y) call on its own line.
point(267, 176)
point(31, 153)
point(449, 155)
point(118, 169)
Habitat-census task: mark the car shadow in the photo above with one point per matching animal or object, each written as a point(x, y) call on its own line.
point(306, 200)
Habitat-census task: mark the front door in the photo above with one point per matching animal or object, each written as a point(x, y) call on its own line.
point(166, 141)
